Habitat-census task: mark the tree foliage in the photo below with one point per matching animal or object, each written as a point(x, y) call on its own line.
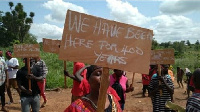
point(15, 25)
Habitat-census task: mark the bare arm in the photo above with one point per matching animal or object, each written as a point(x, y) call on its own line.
point(70, 76)
point(129, 88)
point(78, 73)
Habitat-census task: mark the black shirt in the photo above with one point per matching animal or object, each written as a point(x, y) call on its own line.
point(21, 77)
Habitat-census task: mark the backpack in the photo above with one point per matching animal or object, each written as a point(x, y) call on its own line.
point(119, 90)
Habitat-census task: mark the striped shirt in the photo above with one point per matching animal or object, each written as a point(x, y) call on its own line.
point(43, 67)
point(158, 100)
point(193, 103)
point(3, 67)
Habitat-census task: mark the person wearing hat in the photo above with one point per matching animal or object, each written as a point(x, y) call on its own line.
point(13, 66)
point(167, 87)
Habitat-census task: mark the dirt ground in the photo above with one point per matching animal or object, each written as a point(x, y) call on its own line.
point(59, 100)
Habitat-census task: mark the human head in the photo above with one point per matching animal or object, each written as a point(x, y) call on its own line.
point(196, 78)
point(25, 61)
point(154, 67)
point(1, 53)
point(8, 54)
point(165, 69)
point(118, 72)
point(187, 70)
point(94, 77)
point(178, 68)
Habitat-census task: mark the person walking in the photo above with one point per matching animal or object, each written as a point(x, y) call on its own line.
point(30, 97)
point(41, 84)
point(120, 83)
point(167, 87)
point(145, 82)
point(3, 83)
point(77, 91)
point(13, 66)
point(180, 74)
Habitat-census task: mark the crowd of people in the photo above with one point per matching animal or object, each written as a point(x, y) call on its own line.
point(30, 86)
point(86, 86)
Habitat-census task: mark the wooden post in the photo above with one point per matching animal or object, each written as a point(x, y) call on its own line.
point(65, 78)
point(103, 90)
point(29, 72)
point(133, 79)
point(159, 73)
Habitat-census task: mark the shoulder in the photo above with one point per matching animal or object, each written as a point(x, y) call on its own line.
point(154, 75)
point(124, 77)
point(14, 59)
point(75, 106)
point(168, 76)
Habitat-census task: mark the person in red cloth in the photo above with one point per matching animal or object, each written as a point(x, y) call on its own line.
point(153, 70)
point(88, 103)
point(86, 85)
point(77, 89)
point(145, 81)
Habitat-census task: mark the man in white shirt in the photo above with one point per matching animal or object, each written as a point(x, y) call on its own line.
point(13, 65)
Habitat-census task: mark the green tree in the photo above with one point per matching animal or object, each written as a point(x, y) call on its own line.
point(30, 39)
point(154, 44)
point(179, 47)
point(188, 43)
point(16, 24)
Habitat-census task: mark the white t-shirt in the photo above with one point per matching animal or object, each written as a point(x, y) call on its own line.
point(12, 72)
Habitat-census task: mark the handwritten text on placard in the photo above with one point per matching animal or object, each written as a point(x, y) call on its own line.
point(105, 43)
point(26, 50)
point(165, 56)
point(51, 46)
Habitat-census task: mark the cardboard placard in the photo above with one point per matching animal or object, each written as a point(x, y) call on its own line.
point(51, 46)
point(105, 43)
point(26, 50)
point(165, 56)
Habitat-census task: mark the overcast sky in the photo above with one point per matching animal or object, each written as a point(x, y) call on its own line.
point(170, 20)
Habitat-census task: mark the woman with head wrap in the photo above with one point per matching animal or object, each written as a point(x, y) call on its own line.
point(88, 103)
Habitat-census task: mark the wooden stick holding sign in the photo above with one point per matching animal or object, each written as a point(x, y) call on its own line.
point(159, 73)
point(52, 46)
point(103, 90)
point(65, 78)
point(27, 51)
point(29, 72)
point(133, 79)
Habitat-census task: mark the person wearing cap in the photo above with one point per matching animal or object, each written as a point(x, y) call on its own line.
point(3, 83)
point(167, 87)
point(13, 66)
